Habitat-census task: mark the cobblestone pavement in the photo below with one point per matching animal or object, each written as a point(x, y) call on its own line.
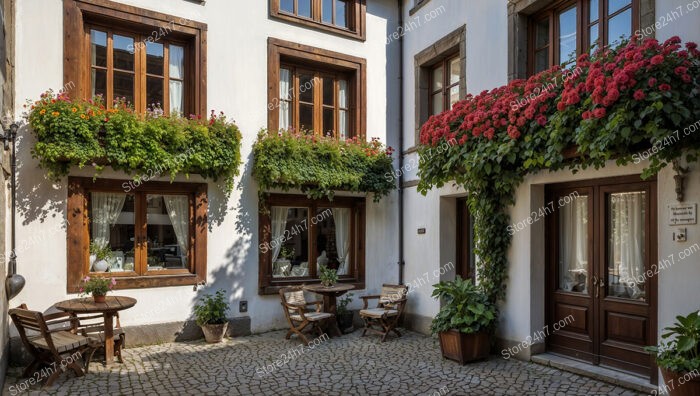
point(350, 365)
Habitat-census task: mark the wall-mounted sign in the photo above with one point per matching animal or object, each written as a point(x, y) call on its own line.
point(682, 214)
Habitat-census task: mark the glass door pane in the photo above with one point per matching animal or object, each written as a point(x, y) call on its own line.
point(167, 231)
point(626, 236)
point(573, 245)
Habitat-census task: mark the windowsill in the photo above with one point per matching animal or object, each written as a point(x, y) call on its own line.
point(357, 34)
point(142, 282)
point(276, 286)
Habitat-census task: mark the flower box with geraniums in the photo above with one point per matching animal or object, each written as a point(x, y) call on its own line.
point(90, 133)
point(319, 166)
point(98, 287)
point(210, 315)
point(343, 314)
point(608, 106)
point(465, 321)
point(679, 358)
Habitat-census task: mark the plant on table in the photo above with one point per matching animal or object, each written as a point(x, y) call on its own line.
point(328, 276)
point(97, 286)
point(679, 356)
point(467, 316)
point(210, 315)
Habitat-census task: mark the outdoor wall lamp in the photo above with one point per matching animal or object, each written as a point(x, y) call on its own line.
point(14, 282)
point(679, 177)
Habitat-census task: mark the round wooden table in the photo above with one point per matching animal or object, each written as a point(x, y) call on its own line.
point(108, 309)
point(330, 293)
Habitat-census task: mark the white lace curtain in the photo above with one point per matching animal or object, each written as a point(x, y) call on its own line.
point(279, 224)
point(106, 208)
point(573, 236)
point(178, 208)
point(341, 217)
point(627, 250)
point(285, 96)
point(176, 54)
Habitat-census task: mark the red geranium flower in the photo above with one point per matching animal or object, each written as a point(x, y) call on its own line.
point(657, 60)
point(664, 87)
point(639, 94)
point(599, 112)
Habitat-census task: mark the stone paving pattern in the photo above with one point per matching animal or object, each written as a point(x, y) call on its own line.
point(350, 365)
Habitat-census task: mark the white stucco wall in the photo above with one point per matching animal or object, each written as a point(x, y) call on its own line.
point(237, 85)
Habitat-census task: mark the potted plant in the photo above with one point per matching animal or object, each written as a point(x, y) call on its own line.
point(98, 257)
point(465, 321)
point(343, 314)
point(210, 315)
point(98, 287)
point(679, 358)
point(329, 277)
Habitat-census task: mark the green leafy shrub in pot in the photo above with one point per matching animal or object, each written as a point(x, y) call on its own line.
point(210, 315)
point(466, 308)
point(682, 352)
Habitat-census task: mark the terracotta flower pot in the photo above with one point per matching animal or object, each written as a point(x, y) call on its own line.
point(463, 347)
point(214, 333)
point(680, 384)
point(99, 298)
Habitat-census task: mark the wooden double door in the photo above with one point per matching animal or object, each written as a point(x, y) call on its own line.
point(600, 247)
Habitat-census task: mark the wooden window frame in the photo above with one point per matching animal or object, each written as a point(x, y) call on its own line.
point(551, 14)
point(357, 18)
point(466, 259)
point(446, 86)
point(269, 285)
point(281, 52)
point(80, 15)
point(78, 235)
point(318, 104)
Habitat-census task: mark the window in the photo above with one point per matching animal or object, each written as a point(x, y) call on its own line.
point(314, 101)
point(155, 235)
point(345, 17)
point(567, 29)
point(440, 82)
point(128, 66)
point(315, 90)
point(298, 235)
point(444, 85)
point(147, 58)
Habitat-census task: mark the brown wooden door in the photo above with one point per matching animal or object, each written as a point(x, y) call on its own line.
point(601, 241)
point(465, 237)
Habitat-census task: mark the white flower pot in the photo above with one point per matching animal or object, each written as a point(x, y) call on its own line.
point(100, 266)
point(93, 258)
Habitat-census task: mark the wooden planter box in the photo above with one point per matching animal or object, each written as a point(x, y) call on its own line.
point(464, 348)
point(680, 384)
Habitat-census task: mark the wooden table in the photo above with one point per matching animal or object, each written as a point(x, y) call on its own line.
point(108, 309)
point(329, 298)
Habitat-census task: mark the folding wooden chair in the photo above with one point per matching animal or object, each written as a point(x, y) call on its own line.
point(53, 346)
point(385, 317)
point(294, 305)
point(92, 326)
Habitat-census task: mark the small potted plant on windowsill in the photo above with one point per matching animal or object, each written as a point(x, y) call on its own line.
point(99, 256)
point(343, 314)
point(679, 358)
point(465, 321)
point(210, 315)
point(328, 277)
point(98, 287)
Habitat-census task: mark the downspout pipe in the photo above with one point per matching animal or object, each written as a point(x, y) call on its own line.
point(400, 150)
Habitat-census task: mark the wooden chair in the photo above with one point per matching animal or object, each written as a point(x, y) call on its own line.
point(54, 346)
point(385, 317)
point(92, 326)
point(294, 305)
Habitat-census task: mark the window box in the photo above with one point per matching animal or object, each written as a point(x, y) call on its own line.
point(296, 232)
point(157, 233)
point(320, 165)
